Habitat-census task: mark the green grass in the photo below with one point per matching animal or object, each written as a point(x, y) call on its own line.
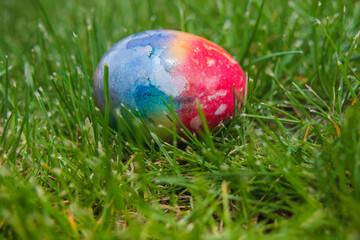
point(286, 167)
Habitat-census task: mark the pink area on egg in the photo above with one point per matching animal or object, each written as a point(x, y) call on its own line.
point(210, 73)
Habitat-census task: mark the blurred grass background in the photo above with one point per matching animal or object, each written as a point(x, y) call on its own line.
point(287, 166)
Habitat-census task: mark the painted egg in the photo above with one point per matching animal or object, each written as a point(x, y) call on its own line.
point(148, 67)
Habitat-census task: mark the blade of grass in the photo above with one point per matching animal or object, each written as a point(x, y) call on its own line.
point(272, 55)
point(166, 154)
point(251, 39)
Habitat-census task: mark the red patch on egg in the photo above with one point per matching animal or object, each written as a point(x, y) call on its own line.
point(211, 74)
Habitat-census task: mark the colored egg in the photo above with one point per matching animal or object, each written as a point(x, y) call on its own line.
point(146, 68)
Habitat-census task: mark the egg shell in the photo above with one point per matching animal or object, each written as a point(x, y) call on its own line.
point(148, 67)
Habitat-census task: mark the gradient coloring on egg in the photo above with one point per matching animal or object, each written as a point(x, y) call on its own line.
point(147, 67)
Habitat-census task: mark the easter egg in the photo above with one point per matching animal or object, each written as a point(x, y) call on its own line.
point(151, 68)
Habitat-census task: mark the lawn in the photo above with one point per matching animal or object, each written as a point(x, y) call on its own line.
point(287, 166)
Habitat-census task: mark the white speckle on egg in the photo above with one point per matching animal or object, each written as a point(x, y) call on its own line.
point(210, 61)
point(195, 123)
point(221, 109)
point(211, 48)
point(195, 61)
point(221, 93)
